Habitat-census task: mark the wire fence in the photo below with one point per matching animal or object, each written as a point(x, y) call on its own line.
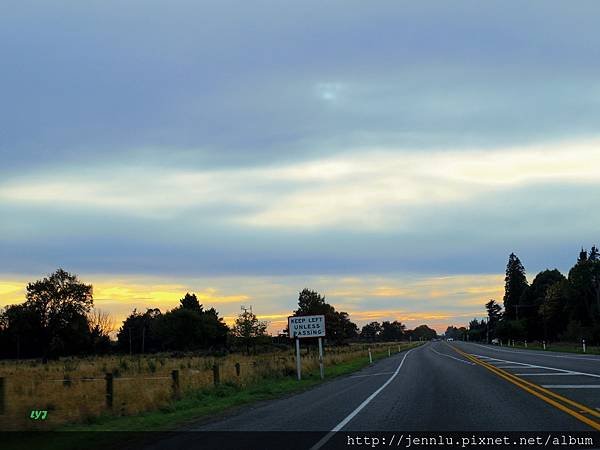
point(36, 396)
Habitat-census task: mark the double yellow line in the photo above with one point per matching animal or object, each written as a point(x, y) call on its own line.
point(564, 404)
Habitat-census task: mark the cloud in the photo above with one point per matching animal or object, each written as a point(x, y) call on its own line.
point(367, 188)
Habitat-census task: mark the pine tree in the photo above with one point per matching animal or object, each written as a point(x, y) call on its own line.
point(515, 285)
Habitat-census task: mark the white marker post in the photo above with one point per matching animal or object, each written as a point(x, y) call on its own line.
point(321, 369)
point(307, 327)
point(584, 346)
point(298, 361)
point(370, 356)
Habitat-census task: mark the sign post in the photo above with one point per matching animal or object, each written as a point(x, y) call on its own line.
point(307, 327)
point(321, 358)
point(298, 360)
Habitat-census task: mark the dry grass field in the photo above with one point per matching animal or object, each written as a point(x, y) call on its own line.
point(73, 390)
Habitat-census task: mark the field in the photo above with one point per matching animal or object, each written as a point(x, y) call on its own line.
point(74, 390)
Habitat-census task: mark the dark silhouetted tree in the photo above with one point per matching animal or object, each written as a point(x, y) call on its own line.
point(532, 299)
point(515, 285)
point(371, 331)
point(60, 303)
point(392, 331)
point(422, 332)
point(338, 326)
point(248, 329)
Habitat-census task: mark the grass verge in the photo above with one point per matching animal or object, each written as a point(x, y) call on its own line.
point(192, 407)
point(564, 347)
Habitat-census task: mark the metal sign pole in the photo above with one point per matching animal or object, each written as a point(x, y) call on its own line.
point(321, 358)
point(298, 362)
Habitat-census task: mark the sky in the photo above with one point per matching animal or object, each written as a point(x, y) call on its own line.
point(389, 154)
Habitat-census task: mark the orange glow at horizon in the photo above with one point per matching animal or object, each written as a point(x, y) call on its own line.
point(435, 301)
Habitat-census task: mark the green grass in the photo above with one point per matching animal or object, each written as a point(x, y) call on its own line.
point(566, 347)
point(192, 407)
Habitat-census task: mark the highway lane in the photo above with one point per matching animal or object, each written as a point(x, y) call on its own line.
point(573, 376)
point(431, 388)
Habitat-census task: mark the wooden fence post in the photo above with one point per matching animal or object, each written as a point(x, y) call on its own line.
point(109, 390)
point(2, 395)
point(237, 369)
point(175, 386)
point(216, 375)
point(66, 381)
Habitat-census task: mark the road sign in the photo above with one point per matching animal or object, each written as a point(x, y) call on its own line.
point(306, 326)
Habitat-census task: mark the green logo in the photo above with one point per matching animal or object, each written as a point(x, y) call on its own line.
point(38, 415)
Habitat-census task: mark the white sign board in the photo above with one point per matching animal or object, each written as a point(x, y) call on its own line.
point(306, 326)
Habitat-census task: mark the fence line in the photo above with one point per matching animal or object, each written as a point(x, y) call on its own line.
point(222, 371)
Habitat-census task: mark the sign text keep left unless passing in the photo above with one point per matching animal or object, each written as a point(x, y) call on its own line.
point(306, 326)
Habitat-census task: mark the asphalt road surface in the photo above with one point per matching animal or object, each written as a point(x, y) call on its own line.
point(440, 386)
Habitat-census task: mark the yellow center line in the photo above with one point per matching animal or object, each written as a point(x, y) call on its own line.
point(539, 392)
point(538, 387)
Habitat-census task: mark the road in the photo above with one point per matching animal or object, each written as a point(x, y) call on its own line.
point(440, 386)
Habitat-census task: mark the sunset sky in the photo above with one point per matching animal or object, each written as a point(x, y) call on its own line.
point(390, 155)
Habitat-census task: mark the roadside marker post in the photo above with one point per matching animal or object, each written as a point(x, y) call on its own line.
point(398, 349)
point(307, 327)
point(389, 352)
point(525, 343)
point(544, 343)
point(584, 346)
point(370, 356)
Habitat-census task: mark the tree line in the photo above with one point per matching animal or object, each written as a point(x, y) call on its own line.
point(58, 318)
point(553, 307)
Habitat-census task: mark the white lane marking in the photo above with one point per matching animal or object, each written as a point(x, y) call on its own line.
point(523, 366)
point(449, 356)
point(370, 374)
point(533, 366)
point(545, 374)
point(537, 352)
point(571, 386)
point(351, 416)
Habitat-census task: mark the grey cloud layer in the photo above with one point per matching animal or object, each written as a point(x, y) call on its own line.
point(240, 83)
point(93, 90)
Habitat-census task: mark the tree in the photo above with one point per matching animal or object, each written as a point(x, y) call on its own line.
point(583, 306)
point(338, 326)
point(553, 310)
point(101, 325)
point(532, 299)
point(515, 285)
point(187, 327)
point(248, 329)
point(371, 331)
point(422, 332)
point(139, 332)
point(190, 301)
point(20, 332)
point(60, 303)
point(494, 312)
point(392, 331)
point(477, 330)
